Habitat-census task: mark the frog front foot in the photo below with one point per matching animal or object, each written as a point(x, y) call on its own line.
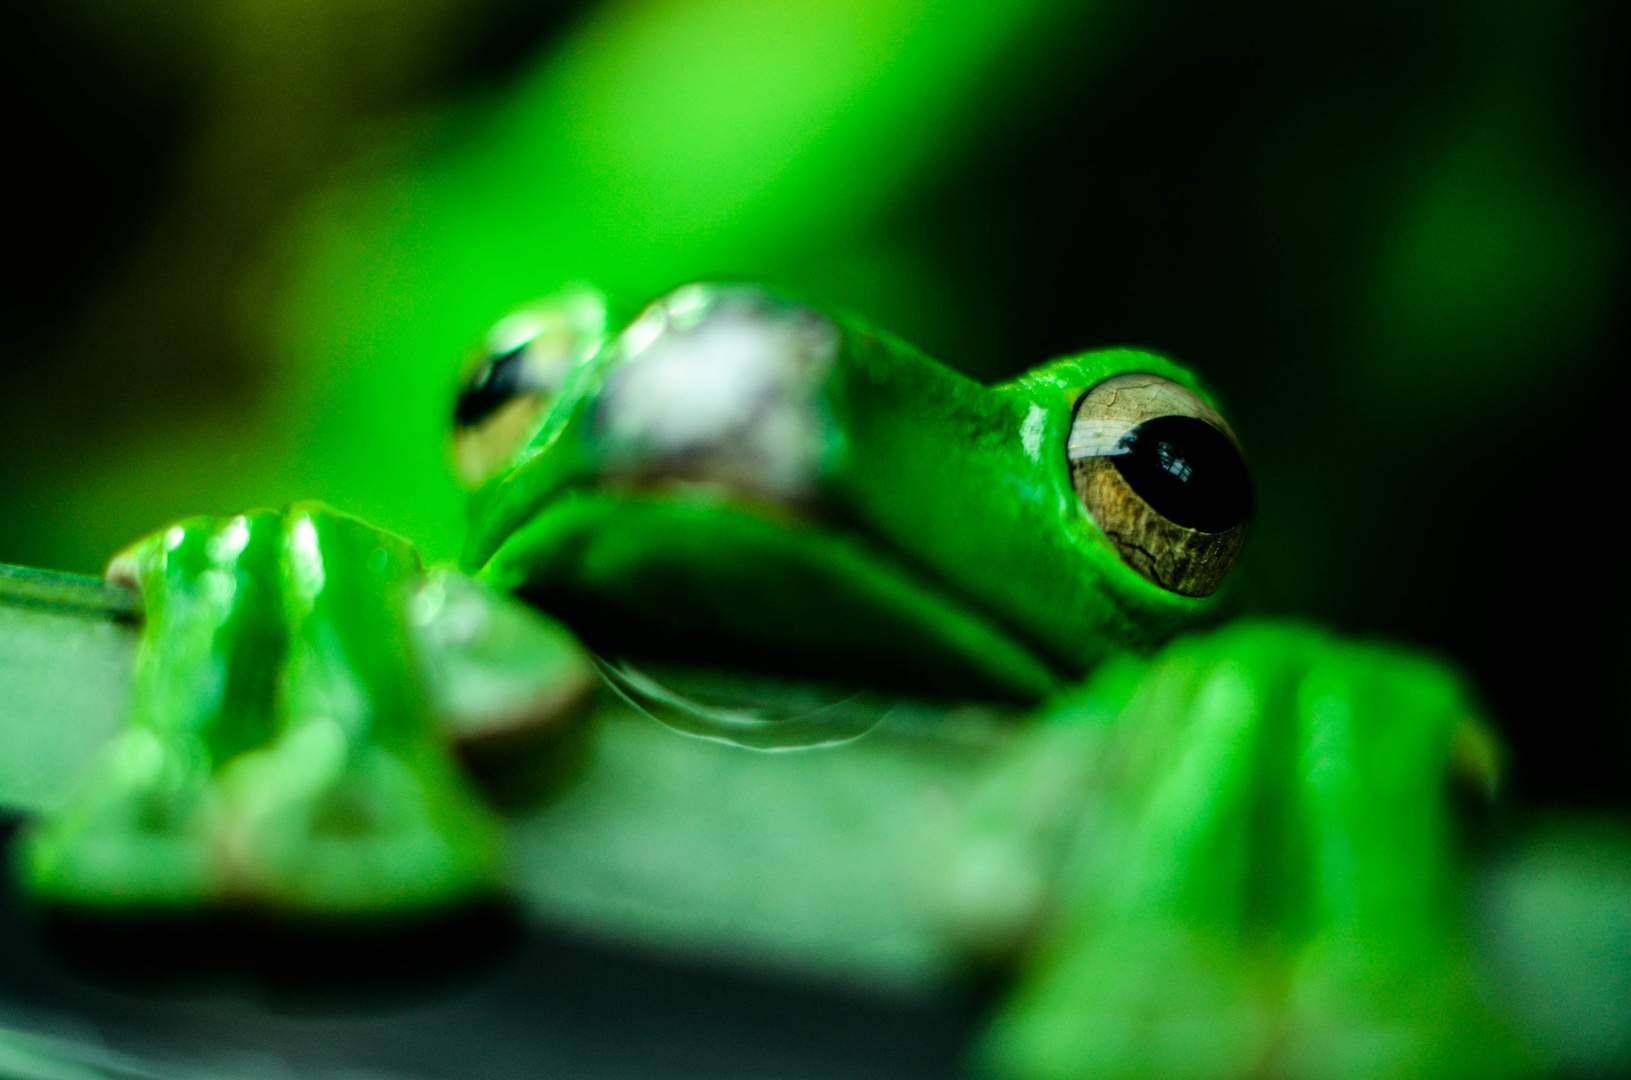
point(281, 751)
point(1258, 879)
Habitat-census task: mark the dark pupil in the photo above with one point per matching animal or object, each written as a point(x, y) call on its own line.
point(1188, 472)
point(495, 382)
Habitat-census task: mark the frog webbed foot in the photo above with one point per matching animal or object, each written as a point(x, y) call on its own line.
point(283, 750)
point(320, 826)
point(1264, 883)
point(143, 835)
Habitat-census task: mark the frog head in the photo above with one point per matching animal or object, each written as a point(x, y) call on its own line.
point(736, 476)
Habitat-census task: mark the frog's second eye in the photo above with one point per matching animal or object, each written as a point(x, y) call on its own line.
point(1161, 474)
point(494, 384)
point(522, 368)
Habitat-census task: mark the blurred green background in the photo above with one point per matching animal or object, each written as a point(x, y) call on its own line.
point(250, 243)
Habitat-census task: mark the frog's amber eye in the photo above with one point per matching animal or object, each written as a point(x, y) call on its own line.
point(517, 375)
point(1160, 473)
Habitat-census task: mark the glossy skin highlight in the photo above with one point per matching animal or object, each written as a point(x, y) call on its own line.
point(281, 750)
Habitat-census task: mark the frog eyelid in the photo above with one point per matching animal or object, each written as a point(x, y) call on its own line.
point(1128, 400)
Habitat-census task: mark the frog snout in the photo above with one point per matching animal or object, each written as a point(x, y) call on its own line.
point(720, 386)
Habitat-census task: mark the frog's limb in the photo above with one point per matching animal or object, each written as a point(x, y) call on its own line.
point(355, 805)
point(505, 679)
point(1264, 885)
point(214, 642)
point(282, 748)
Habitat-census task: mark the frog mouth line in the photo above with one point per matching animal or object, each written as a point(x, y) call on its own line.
point(702, 574)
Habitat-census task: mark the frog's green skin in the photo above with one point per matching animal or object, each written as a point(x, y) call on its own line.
point(1264, 885)
point(281, 748)
point(965, 563)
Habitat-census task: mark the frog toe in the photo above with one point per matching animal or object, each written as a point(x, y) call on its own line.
point(1372, 1009)
point(369, 831)
point(141, 837)
point(1142, 999)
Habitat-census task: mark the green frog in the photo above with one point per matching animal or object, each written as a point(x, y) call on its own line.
point(1251, 823)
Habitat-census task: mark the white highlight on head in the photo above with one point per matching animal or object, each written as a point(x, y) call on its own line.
point(639, 335)
point(701, 384)
point(722, 387)
point(686, 305)
point(1031, 430)
point(514, 331)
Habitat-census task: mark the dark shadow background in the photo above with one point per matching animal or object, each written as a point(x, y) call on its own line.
point(548, 1004)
